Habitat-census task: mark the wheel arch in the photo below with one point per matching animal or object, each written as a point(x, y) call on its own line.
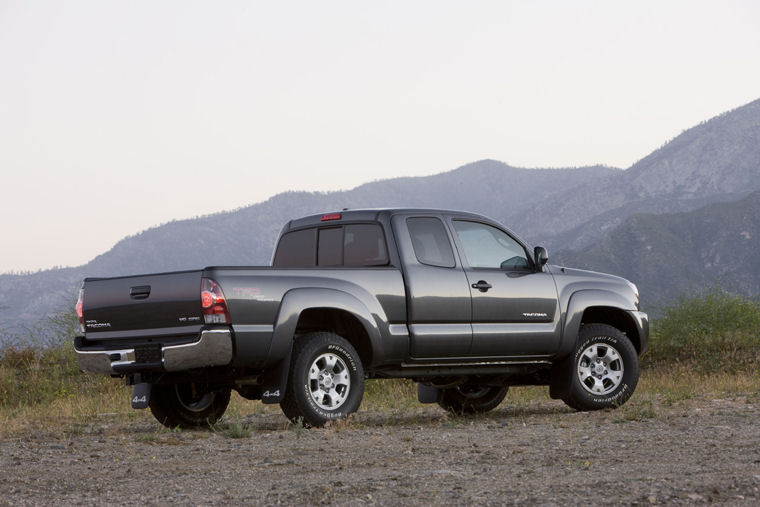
point(305, 310)
point(601, 307)
point(341, 322)
point(317, 309)
point(615, 317)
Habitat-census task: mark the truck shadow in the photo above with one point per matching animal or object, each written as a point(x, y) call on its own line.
point(429, 417)
point(501, 417)
point(422, 417)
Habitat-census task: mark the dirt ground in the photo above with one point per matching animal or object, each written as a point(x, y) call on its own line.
point(699, 450)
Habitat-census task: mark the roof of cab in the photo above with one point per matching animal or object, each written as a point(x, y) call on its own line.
point(368, 214)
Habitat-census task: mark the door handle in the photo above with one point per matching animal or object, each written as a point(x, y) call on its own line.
point(482, 286)
point(139, 292)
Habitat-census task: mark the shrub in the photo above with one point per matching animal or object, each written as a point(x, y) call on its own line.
point(716, 331)
point(36, 371)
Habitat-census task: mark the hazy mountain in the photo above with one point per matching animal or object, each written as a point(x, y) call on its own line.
point(246, 236)
point(673, 254)
point(718, 160)
point(572, 209)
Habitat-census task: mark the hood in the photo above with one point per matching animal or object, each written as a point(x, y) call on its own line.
point(569, 280)
point(565, 271)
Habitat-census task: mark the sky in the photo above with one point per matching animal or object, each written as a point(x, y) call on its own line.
point(119, 116)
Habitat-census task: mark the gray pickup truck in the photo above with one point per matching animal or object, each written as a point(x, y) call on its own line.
point(451, 300)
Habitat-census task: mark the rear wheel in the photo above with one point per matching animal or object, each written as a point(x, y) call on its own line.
point(326, 380)
point(604, 371)
point(468, 398)
point(187, 405)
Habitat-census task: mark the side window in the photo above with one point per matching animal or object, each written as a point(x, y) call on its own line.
point(364, 245)
point(430, 241)
point(296, 249)
point(488, 247)
point(330, 249)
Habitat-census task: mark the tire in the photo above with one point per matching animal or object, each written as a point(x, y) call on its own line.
point(604, 370)
point(468, 399)
point(186, 406)
point(326, 380)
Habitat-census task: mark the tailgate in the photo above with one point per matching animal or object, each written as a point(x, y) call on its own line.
point(145, 305)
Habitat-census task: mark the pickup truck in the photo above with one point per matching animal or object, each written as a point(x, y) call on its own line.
point(452, 300)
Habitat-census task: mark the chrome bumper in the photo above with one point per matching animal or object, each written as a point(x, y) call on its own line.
point(214, 348)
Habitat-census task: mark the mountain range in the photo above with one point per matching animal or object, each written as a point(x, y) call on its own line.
point(676, 254)
point(681, 219)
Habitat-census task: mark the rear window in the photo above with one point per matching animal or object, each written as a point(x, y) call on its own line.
point(364, 245)
point(296, 249)
point(330, 250)
point(349, 245)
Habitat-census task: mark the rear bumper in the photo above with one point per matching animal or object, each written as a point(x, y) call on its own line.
point(213, 348)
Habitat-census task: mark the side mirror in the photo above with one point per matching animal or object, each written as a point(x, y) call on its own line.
point(540, 257)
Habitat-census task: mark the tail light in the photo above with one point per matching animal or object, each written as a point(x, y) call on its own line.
point(213, 303)
point(80, 311)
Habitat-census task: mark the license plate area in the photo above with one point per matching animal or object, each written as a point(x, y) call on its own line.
point(148, 353)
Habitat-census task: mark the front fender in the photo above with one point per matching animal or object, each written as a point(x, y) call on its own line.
point(295, 301)
point(579, 302)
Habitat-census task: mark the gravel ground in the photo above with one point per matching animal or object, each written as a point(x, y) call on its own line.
point(697, 451)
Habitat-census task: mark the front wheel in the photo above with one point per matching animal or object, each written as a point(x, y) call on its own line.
point(467, 399)
point(326, 380)
point(605, 369)
point(187, 405)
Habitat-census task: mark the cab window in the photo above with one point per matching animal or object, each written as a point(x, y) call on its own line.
point(346, 245)
point(330, 250)
point(364, 245)
point(488, 247)
point(296, 249)
point(430, 242)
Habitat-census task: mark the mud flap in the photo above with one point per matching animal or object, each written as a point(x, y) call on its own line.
point(561, 377)
point(427, 394)
point(141, 395)
point(276, 381)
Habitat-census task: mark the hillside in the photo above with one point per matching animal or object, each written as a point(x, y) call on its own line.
point(716, 161)
point(592, 210)
point(246, 236)
point(673, 254)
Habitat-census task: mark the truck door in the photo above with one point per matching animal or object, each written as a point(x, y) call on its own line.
point(438, 296)
point(514, 308)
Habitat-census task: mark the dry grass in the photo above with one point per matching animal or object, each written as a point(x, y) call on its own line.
point(714, 332)
point(108, 408)
point(43, 393)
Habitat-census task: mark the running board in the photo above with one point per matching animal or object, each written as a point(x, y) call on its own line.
point(443, 369)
